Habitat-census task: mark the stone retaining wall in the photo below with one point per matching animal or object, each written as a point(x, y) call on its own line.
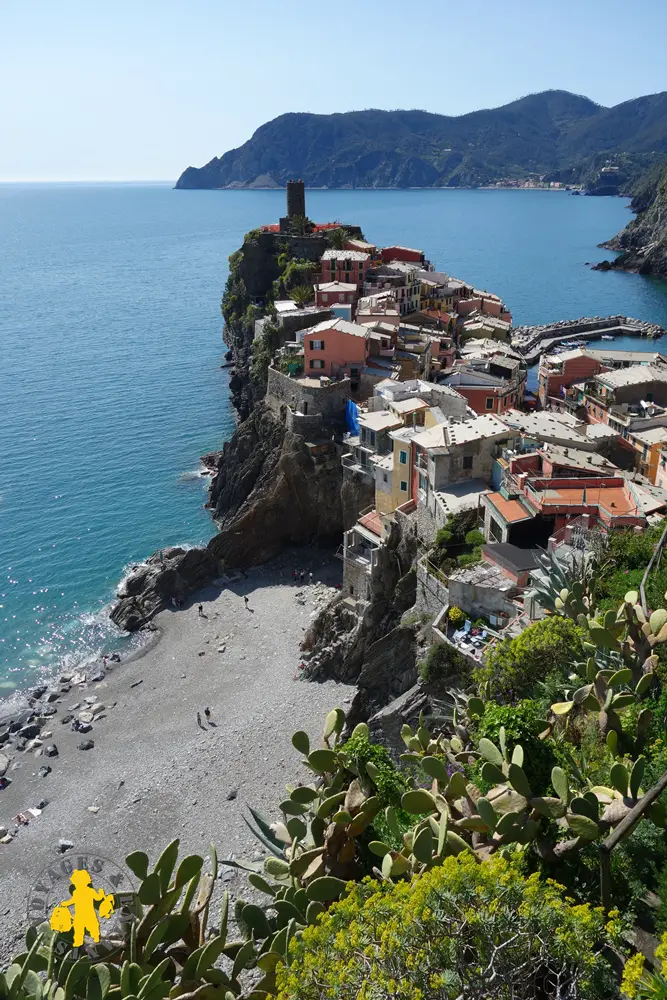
point(329, 400)
point(432, 592)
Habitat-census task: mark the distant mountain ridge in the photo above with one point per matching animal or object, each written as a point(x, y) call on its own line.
point(553, 133)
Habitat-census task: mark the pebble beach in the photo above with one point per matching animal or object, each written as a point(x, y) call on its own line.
point(153, 773)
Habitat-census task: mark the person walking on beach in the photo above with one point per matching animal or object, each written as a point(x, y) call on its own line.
point(247, 601)
point(199, 720)
point(207, 713)
point(200, 611)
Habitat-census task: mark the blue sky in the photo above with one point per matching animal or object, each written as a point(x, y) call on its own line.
point(140, 89)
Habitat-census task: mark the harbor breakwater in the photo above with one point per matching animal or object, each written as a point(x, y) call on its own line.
point(532, 341)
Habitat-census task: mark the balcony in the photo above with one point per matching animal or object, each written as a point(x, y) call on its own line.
point(350, 462)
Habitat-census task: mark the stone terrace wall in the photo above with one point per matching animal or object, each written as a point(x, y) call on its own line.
point(432, 593)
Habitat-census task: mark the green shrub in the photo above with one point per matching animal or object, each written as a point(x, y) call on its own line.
point(475, 537)
point(443, 661)
point(463, 929)
point(523, 724)
point(456, 616)
point(470, 558)
point(513, 667)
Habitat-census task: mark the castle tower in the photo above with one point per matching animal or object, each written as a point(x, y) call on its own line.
point(296, 199)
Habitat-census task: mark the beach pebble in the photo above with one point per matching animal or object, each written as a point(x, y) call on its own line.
point(39, 691)
point(45, 734)
point(90, 700)
point(64, 845)
point(221, 649)
point(29, 732)
point(52, 695)
point(84, 727)
point(4, 764)
point(202, 652)
point(79, 678)
point(42, 804)
point(98, 676)
point(34, 744)
point(3, 831)
point(183, 676)
point(51, 750)
point(232, 793)
point(86, 716)
point(93, 809)
point(44, 770)
point(97, 707)
point(86, 744)
point(7, 839)
point(66, 718)
point(65, 678)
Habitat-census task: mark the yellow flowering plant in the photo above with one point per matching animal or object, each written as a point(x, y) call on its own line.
point(639, 983)
point(463, 929)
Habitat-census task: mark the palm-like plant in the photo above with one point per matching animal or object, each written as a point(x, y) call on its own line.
point(302, 295)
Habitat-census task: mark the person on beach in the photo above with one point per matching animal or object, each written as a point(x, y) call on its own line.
point(247, 601)
point(199, 720)
point(200, 611)
point(310, 577)
point(207, 713)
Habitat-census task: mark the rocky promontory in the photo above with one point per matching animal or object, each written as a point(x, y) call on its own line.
point(642, 245)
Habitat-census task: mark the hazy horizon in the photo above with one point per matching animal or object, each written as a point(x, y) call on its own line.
point(126, 92)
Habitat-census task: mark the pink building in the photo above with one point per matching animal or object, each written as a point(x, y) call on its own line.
point(490, 305)
point(336, 348)
point(348, 266)
point(334, 293)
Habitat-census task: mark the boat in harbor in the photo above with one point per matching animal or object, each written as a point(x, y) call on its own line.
point(607, 336)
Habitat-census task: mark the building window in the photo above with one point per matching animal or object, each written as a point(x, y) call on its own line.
point(404, 486)
point(354, 373)
point(385, 480)
point(317, 345)
point(403, 458)
point(341, 297)
point(495, 530)
point(467, 461)
point(317, 364)
point(325, 297)
point(489, 402)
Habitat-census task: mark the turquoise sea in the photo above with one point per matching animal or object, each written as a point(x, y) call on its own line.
point(110, 385)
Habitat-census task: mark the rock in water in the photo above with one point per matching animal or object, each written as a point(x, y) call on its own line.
point(171, 573)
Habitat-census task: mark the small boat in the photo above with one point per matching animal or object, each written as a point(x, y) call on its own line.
point(606, 336)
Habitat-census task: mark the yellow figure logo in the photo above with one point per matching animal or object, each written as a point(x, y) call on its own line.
point(83, 899)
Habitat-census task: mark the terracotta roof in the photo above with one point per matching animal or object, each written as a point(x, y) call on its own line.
point(510, 510)
point(372, 522)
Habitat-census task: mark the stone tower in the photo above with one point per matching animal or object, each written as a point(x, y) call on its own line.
point(296, 199)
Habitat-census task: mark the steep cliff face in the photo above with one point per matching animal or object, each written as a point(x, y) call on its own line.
point(643, 242)
point(373, 650)
point(270, 491)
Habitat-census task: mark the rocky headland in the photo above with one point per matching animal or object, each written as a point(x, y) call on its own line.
point(642, 245)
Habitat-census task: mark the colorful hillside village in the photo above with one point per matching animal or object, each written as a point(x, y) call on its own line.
point(408, 378)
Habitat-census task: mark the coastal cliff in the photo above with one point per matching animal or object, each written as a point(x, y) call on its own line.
point(642, 245)
point(271, 485)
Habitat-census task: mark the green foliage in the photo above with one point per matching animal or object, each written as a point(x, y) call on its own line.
point(458, 543)
point(337, 238)
point(438, 936)
point(514, 666)
point(302, 294)
point(443, 661)
point(474, 537)
point(389, 782)
point(166, 950)
point(523, 724)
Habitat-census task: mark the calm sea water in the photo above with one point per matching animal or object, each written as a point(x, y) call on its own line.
point(110, 386)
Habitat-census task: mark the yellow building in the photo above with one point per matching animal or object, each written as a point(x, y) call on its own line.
point(647, 445)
